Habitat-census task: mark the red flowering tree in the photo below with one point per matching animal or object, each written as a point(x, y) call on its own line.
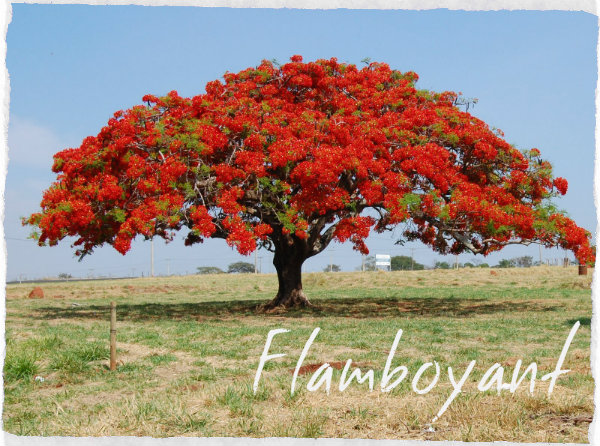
point(292, 157)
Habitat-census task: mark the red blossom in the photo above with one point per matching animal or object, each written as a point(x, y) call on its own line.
point(561, 185)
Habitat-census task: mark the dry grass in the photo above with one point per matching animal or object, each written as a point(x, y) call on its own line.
point(189, 348)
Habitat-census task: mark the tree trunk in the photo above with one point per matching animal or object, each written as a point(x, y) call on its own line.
point(288, 265)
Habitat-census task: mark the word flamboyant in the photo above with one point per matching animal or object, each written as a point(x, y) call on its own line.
point(390, 379)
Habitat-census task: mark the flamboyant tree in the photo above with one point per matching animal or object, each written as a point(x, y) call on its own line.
point(292, 157)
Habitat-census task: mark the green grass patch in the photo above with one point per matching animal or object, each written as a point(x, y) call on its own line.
point(188, 348)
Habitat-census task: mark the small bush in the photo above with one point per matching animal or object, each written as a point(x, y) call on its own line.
point(19, 366)
point(68, 363)
point(76, 360)
point(93, 352)
point(162, 359)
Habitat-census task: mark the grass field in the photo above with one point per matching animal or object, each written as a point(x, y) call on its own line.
point(188, 349)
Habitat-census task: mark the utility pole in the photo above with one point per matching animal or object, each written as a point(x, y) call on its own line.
point(412, 259)
point(152, 257)
point(255, 263)
point(260, 264)
point(113, 335)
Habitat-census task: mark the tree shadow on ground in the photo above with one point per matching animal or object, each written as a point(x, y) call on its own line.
point(367, 307)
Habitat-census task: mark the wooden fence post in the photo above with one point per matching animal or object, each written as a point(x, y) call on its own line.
point(113, 335)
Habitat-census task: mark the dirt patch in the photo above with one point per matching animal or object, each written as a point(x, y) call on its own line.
point(36, 293)
point(155, 289)
point(577, 284)
point(133, 352)
point(86, 400)
point(175, 369)
point(569, 419)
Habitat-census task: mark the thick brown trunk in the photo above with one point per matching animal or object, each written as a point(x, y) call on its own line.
point(288, 265)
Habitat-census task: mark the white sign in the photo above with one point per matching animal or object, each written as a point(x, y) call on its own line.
point(383, 260)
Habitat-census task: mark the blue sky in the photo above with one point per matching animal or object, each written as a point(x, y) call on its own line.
point(72, 66)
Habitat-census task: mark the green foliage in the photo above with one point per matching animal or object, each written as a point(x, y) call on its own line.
point(518, 262)
point(506, 263)
point(240, 267)
point(77, 359)
point(332, 268)
point(19, 365)
point(58, 162)
point(405, 263)
point(156, 359)
point(210, 270)
point(410, 201)
point(524, 261)
point(235, 401)
point(118, 215)
point(369, 264)
point(442, 265)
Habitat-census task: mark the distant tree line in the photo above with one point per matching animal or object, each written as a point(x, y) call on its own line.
point(236, 267)
point(446, 265)
point(516, 262)
point(332, 268)
point(398, 263)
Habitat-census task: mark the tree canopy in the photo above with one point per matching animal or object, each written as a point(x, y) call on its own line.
point(399, 263)
point(332, 268)
point(293, 157)
point(442, 265)
point(516, 262)
point(209, 270)
point(240, 267)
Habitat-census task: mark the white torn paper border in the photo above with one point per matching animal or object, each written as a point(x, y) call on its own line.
point(589, 6)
